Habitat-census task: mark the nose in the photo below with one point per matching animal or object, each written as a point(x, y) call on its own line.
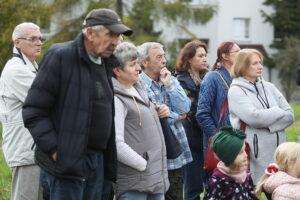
point(117, 40)
point(138, 67)
point(245, 154)
point(120, 39)
point(39, 42)
point(164, 60)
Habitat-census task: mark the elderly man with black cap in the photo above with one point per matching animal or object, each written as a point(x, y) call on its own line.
point(69, 110)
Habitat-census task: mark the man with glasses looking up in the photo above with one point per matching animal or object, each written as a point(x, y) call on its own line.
point(69, 110)
point(15, 81)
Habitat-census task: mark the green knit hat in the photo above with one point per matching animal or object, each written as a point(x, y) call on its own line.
point(227, 143)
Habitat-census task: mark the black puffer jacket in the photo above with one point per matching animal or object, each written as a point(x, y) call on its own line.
point(58, 110)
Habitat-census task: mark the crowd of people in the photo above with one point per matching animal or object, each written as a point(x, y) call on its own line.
point(87, 123)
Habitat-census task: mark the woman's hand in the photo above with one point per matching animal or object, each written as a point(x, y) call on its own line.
point(163, 111)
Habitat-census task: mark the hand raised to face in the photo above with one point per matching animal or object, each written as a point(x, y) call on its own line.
point(165, 76)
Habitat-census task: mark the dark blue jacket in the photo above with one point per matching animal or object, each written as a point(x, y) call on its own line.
point(211, 97)
point(58, 109)
point(192, 129)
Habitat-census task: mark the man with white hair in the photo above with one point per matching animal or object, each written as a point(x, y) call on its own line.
point(15, 81)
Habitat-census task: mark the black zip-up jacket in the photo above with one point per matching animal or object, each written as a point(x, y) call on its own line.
point(193, 131)
point(58, 108)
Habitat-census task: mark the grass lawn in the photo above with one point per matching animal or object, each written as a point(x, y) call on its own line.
point(5, 173)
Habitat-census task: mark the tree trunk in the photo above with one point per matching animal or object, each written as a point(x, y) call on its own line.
point(270, 74)
point(119, 8)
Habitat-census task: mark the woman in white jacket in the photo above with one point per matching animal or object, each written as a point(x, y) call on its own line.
point(261, 106)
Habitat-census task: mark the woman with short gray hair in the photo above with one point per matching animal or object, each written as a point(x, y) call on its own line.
point(142, 163)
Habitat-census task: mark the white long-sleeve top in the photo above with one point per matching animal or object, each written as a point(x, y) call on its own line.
point(125, 153)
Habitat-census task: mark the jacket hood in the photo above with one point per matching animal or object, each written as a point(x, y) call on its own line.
point(279, 179)
point(244, 83)
point(120, 90)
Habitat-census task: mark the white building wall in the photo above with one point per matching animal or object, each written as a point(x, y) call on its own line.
point(260, 32)
point(220, 27)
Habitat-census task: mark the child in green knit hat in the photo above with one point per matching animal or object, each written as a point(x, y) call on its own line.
point(231, 179)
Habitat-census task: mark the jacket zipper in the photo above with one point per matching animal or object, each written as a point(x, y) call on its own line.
point(140, 117)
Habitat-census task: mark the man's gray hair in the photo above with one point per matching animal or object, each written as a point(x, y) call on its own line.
point(144, 50)
point(21, 29)
point(95, 28)
point(126, 51)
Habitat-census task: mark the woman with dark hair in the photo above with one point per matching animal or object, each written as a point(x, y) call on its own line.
point(191, 67)
point(214, 89)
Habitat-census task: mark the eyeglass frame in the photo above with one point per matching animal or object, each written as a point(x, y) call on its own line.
point(33, 39)
point(236, 51)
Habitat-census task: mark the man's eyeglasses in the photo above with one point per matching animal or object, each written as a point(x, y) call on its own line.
point(34, 39)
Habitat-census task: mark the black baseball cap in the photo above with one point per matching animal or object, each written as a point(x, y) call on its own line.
point(108, 18)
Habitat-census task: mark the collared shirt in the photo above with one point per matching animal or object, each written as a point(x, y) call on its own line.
point(97, 61)
point(177, 101)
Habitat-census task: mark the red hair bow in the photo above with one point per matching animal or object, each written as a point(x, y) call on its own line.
point(272, 169)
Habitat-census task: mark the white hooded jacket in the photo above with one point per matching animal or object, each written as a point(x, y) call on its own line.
point(15, 81)
point(266, 112)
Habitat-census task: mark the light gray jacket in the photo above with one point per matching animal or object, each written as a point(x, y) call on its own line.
point(249, 102)
point(143, 135)
point(15, 81)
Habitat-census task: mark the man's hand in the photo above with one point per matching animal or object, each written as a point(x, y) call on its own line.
point(54, 156)
point(163, 111)
point(165, 76)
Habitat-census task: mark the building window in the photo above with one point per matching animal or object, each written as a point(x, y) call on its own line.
point(241, 28)
point(199, 2)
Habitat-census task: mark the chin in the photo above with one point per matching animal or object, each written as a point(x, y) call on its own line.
point(106, 54)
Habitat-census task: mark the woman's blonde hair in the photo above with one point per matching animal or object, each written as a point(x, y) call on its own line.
point(242, 62)
point(285, 153)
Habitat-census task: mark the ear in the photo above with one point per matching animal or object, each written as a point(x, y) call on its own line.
point(144, 62)
point(290, 165)
point(89, 33)
point(116, 71)
point(225, 56)
point(17, 43)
